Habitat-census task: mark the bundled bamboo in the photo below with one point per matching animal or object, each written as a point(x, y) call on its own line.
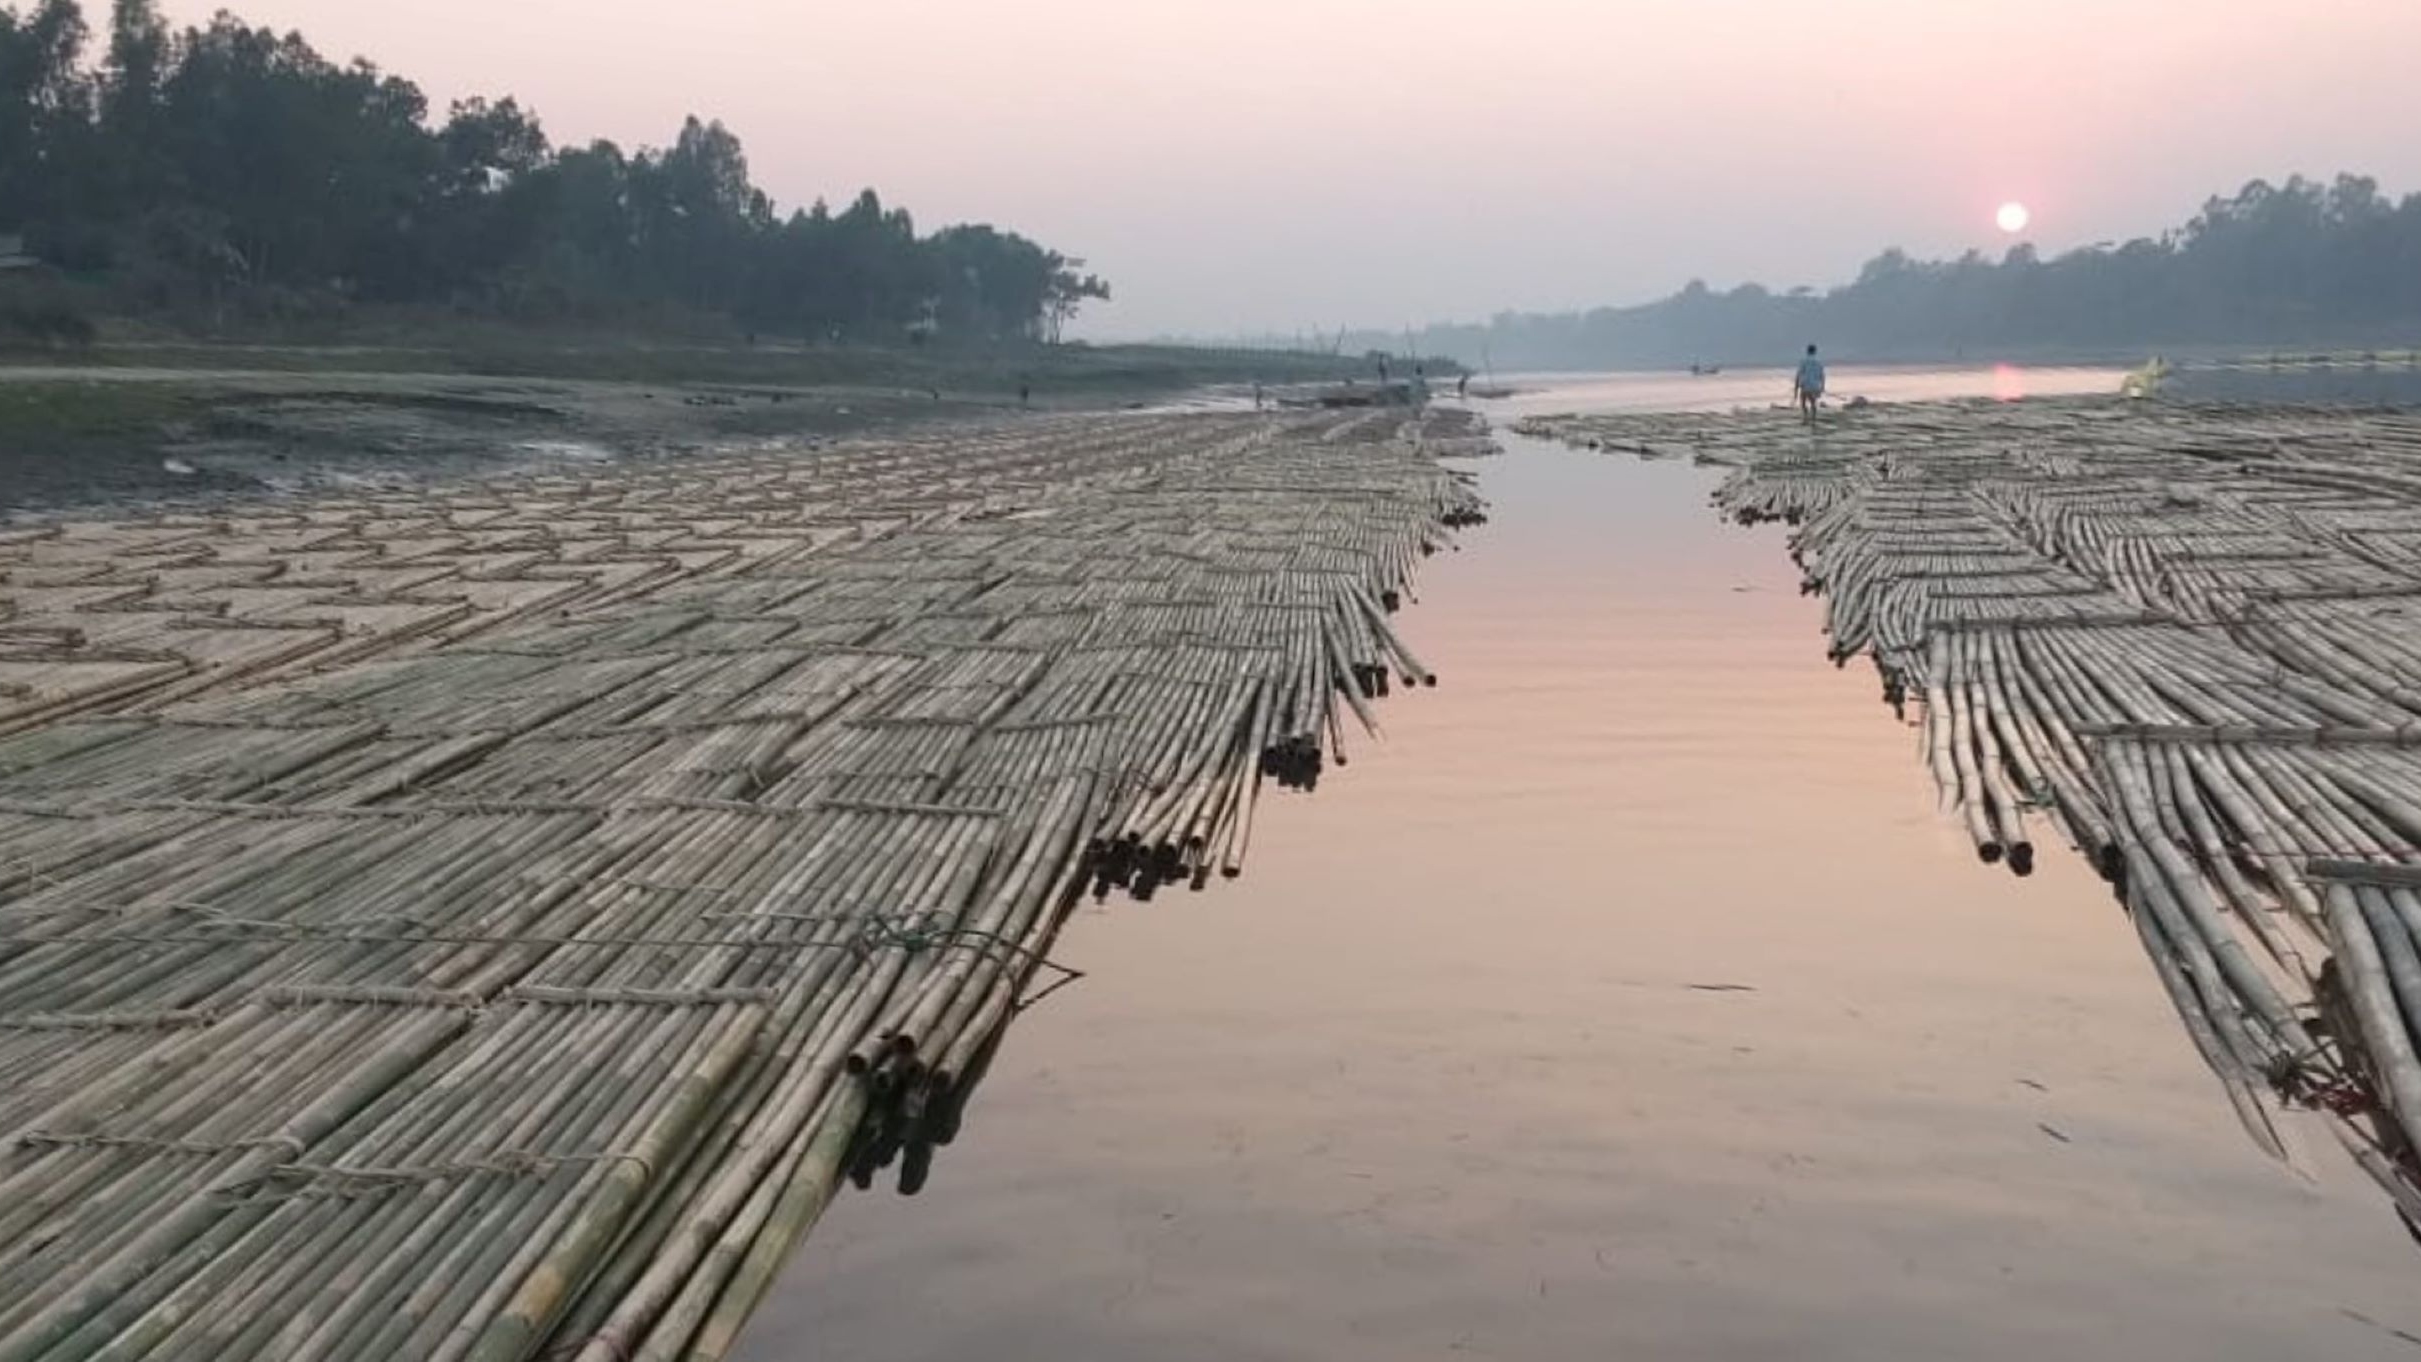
point(2182, 635)
point(528, 988)
point(137, 613)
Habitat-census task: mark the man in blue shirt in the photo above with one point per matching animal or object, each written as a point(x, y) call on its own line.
point(1808, 384)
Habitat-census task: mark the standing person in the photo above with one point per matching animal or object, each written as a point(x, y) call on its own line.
point(1462, 385)
point(1807, 385)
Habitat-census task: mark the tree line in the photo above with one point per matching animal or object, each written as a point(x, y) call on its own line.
point(226, 172)
point(2298, 264)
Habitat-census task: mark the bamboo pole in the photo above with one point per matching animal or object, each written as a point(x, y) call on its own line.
point(2181, 630)
point(826, 745)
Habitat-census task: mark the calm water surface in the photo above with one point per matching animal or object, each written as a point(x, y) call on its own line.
point(1440, 1077)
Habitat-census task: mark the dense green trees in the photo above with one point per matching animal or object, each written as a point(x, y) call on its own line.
point(2297, 264)
point(227, 171)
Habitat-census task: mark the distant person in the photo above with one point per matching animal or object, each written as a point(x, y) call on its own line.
point(1025, 394)
point(1462, 386)
point(1257, 395)
point(1807, 385)
point(1382, 369)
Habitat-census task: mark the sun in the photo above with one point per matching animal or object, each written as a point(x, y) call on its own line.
point(2012, 217)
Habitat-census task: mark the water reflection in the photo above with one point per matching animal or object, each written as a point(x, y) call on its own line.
point(1543, 394)
point(1630, 1001)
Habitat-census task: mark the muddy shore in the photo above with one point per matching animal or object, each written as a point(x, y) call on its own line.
point(126, 427)
point(82, 438)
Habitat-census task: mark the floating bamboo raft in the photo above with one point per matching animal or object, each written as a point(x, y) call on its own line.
point(2186, 639)
point(488, 923)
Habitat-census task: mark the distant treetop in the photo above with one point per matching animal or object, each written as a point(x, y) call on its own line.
point(2303, 262)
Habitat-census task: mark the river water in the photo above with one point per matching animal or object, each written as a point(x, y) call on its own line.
point(1630, 1000)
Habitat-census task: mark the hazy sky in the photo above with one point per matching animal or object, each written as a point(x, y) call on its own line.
point(1235, 165)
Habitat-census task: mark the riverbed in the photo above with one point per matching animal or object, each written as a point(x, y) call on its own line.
point(1632, 999)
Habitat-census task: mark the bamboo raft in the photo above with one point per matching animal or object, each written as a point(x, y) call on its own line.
point(489, 922)
point(2184, 639)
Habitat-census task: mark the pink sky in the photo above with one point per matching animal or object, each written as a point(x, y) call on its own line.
point(1246, 165)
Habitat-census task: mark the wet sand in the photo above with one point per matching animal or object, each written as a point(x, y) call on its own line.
point(1631, 1000)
